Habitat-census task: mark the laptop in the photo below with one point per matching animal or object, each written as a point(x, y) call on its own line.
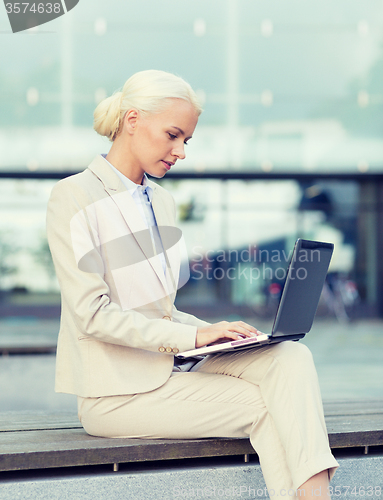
point(299, 300)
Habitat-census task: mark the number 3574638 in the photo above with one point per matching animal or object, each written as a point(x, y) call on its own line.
point(35, 8)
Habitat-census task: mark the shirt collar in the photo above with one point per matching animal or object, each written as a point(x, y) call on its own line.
point(129, 184)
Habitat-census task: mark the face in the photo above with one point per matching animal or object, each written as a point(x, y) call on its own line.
point(157, 141)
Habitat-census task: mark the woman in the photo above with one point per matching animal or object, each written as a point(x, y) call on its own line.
point(113, 239)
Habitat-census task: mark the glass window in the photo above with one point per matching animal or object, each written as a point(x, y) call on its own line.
point(286, 87)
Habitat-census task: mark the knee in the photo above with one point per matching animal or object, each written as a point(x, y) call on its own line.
point(294, 353)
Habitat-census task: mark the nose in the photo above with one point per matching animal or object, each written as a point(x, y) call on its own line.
point(179, 151)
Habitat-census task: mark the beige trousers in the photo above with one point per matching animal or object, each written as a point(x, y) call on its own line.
point(270, 394)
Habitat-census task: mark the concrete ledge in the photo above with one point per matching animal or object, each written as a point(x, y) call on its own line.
point(39, 440)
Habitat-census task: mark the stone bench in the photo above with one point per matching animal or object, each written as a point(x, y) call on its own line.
point(39, 440)
point(49, 456)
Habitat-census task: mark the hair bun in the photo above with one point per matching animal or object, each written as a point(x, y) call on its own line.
point(107, 116)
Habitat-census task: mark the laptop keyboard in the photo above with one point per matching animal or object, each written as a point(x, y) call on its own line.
point(252, 340)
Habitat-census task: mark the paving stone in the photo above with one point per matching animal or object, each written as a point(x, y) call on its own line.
point(355, 476)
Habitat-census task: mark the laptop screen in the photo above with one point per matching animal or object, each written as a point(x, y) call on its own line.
point(303, 286)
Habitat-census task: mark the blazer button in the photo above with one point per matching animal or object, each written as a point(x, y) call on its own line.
point(169, 349)
point(167, 317)
point(161, 349)
point(175, 350)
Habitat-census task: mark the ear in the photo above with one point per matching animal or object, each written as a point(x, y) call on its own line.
point(130, 120)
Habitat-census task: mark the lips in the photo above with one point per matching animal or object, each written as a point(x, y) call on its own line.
point(167, 164)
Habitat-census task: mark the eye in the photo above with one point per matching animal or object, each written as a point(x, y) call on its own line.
point(173, 136)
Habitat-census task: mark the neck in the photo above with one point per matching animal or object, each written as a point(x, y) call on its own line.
point(121, 158)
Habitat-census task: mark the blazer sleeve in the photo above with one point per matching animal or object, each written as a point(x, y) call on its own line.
point(188, 319)
point(86, 295)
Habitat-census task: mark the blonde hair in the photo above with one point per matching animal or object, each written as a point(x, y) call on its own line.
point(148, 92)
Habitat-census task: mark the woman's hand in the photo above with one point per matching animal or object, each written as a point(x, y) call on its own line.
point(224, 330)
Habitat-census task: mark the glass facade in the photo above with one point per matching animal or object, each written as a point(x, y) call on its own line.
point(239, 236)
point(287, 87)
point(290, 88)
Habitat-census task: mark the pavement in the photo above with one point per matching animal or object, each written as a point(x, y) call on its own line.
point(348, 357)
point(355, 478)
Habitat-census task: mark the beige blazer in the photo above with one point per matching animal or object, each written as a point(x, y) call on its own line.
point(119, 327)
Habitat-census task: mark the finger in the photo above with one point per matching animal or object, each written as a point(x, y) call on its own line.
point(248, 327)
point(231, 335)
point(237, 335)
point(243, 331)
